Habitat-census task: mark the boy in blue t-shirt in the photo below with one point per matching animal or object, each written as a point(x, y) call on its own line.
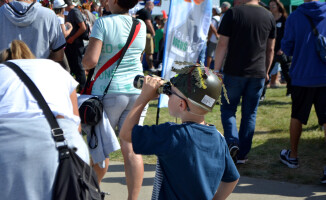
point(193, 158)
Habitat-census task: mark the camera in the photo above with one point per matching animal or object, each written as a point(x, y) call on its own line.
point(163, 89)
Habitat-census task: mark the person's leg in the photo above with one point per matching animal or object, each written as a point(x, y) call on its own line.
point(74, 56)
point(302, 100)
point(209, 61)
point(80, 71)
point(134, 167)
point(295, 134)
point(149, 50)
point(149, 60)
point(250, 101)
point(210, 53)
point(100, 172)
point(234, 86)
point(320, 107)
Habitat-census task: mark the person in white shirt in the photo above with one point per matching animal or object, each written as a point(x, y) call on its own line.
point(213, 35)
point(29, 159)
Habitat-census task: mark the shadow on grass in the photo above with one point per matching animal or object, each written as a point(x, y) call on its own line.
point(270, 132)
point(264, 160)
point(273, 103)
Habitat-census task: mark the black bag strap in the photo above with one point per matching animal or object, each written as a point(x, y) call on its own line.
point(56, 131)
point(313, 26)
point(131, 34)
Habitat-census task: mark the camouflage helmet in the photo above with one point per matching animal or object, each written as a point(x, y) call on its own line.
point(201, 86)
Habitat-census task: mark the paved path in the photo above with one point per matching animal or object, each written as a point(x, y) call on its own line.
point(247, 189)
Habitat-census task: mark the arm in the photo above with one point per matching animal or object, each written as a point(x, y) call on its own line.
point(92, 54)
point(150, 86)
point(269, 55)
point(149, 26)
point(73, 98)
point(214, 30)
point(81, 30)
point(221, 50)
point(63, 28)
point(224, 190)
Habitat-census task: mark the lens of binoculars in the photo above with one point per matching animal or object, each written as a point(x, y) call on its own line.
point(163, 89)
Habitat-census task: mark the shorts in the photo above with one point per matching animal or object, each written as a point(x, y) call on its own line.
point(211, 49)
point(149, 48)
point(117, 107)
point(302, 100)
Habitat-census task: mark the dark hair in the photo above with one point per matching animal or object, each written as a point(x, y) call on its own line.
point(57, 10)
point(280, 7)
point(127, 4)
point(68, 2)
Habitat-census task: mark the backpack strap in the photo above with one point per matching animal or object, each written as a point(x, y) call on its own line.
point(313, 26)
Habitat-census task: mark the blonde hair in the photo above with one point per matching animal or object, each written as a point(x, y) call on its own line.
point(18, 50)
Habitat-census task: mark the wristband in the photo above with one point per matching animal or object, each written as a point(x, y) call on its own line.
point(217, 71)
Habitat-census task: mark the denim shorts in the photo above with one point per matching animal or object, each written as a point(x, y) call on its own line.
point(302, 100)
point(117, 107)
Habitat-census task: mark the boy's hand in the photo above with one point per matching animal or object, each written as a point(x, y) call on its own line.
point(150, 86)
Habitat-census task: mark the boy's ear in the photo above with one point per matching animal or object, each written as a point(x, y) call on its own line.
point(182, 105)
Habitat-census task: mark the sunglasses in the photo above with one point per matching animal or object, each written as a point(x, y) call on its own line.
point(171, 92)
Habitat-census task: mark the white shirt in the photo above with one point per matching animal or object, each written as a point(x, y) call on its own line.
point(61, 20)
point(215, 21)
point(52, 80)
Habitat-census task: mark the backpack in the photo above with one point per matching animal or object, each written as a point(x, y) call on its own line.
point(86, 35)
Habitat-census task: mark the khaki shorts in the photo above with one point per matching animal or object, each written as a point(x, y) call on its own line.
point(149, 48)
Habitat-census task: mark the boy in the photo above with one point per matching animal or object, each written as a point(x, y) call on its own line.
point(193, 157)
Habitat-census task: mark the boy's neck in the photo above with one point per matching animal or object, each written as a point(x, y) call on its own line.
point(196, 119)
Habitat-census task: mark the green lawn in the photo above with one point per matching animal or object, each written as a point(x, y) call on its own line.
point(271, 135)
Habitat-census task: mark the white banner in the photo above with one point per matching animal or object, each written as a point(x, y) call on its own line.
point(187, 29)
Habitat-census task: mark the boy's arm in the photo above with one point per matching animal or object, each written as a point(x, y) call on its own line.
point(224, 190)
point(150, 86)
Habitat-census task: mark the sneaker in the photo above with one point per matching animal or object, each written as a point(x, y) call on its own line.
point(242, 161)
point(262, 98)
point(285, 158)
point(233, 148)
point(323, 179)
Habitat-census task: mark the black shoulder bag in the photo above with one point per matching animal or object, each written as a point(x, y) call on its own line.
point(91, 110)
point(75, 179)
point(320, 41)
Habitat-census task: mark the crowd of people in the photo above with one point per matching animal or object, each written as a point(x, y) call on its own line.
point(266, 41)
point(63, 48)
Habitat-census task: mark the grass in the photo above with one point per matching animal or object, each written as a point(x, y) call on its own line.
point(271, 135)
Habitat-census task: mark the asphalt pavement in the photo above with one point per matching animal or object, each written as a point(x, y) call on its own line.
point(248, 188)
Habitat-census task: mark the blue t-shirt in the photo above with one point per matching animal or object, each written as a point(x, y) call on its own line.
point(113, 31)
point(193, 158)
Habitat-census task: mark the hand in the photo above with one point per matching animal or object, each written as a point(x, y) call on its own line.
point(267, 78)
point(150, 86)
point(70, 40)
point(279, 52)
point(219, 75)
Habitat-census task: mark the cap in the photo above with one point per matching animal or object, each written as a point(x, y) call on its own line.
point(199, 84)
point(59, 4)
point(217, 9)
